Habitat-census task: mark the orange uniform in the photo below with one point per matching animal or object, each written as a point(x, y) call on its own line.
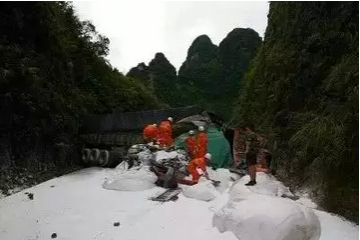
point(165, 133)
point(193, 165)
point(202, 141)
point(150, 132)
point(191, 145)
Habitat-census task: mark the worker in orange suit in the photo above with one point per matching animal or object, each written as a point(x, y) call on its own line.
point(202, 141)
point(198, 163)
point(191, 144)
point(150, 133)
point(165, 133)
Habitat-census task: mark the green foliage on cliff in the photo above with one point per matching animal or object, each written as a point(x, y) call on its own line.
point(211, 75)
point(52, 72)
point(302, 90)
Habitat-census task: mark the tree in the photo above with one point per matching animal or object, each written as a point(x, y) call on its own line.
point(53, 71)
point(302, 90)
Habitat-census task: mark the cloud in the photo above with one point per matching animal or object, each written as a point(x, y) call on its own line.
point(139, 29)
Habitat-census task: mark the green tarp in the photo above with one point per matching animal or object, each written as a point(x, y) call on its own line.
point(218, 146)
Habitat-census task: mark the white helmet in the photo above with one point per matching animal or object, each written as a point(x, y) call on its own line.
point(201, 128)
point(208, 156)
point(170, 119)
point(155, 125)
point(191, 132)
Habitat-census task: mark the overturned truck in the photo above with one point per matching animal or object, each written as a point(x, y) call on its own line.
point(106, 138)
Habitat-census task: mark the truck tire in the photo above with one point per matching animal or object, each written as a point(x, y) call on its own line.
point(85, 159)
point(115, 158)
point(94, 156)
point(104, 158)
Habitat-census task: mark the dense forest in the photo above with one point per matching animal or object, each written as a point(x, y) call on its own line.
point(53, 71)
point(209, 77)
point(302, 91)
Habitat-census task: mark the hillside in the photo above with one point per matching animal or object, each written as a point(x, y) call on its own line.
point(235, 54)
point(302, 91)
point(200, 72)
point(210, 75)
point(52, 72)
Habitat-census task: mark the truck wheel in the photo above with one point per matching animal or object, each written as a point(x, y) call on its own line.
point(104, 158)
point(85, 159)
point(95, 153)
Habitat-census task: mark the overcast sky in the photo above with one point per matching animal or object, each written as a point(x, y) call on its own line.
point(139, 29)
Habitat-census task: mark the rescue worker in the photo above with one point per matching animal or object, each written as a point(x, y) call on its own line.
point(150, 133)
point(198, 163)
point(252, 151)
point(202, 141)
point(191, 144)
point(165, 132)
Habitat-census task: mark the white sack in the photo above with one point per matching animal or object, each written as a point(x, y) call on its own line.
point(145, 157)
point(262, 217)
point(163, 155)
point(266, 184)
point(131, 180)
point(203, 191)
point(221, 174)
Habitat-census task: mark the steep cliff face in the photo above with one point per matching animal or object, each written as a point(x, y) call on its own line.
point(159, 78)
point(141, 72)
point(198, 75)
point(235, 54)
point(211, 75)
point(302, 90)
point(163, 79)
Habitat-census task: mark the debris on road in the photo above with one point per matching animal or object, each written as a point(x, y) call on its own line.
point(30, 195)
point(168, 195)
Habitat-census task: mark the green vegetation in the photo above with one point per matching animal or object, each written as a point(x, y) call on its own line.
point(210, 76)
point(159, 78)
point(200, 72)
point(235, 53)
point(52, 72)
point(163, 79)
point(302, 90)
